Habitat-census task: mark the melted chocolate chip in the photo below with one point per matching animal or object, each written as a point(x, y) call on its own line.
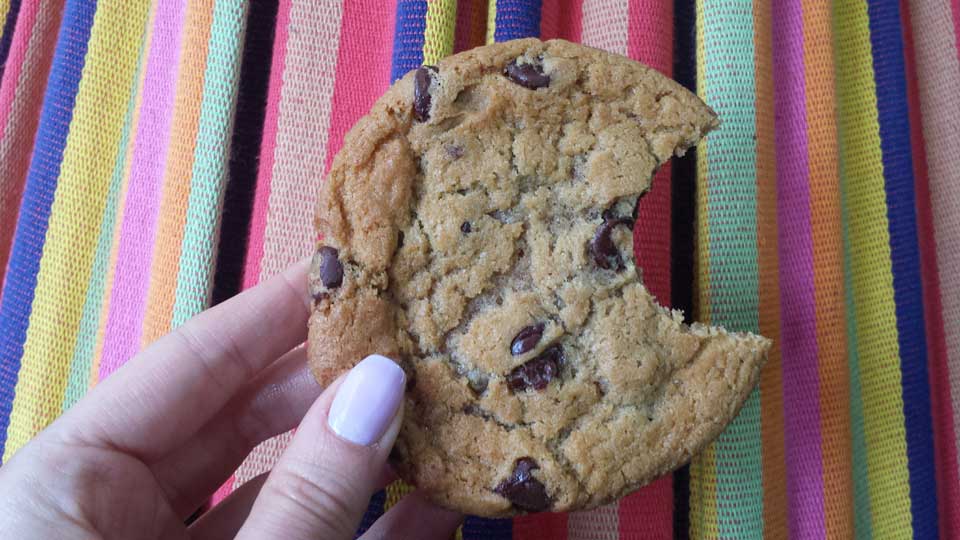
point(526, 75)
point(465, 227)
point(523, 489)
point(538, 372)
point(421, 92)
point(331, 271)
point(526, 339)
point(602, 248)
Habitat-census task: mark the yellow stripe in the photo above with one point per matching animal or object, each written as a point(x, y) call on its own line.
point(438, 35)
point(4, 10)
point(491, 21)
point(871, 274)
point(396, 491)
point(88, 161)
point(703, 478)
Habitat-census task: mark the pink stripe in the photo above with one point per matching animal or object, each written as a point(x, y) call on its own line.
point(21, 98)
point(562, 20)
point(18, 50)
point(268, 146)
point(956, 24)
point(363, 66)
point(801, 394)
point(128, 297)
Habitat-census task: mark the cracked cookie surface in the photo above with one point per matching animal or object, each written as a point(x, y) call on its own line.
point(477, 227)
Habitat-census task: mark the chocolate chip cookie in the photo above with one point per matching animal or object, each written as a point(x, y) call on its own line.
point(477, 227)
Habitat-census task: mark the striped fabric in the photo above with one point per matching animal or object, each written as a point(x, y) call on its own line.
point(156, 156)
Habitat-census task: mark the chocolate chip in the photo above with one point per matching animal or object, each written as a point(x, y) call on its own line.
point(455, 152)
point(331, 271)
point(602, 248)
point(522, 489)
point(526, 75)
point(421, 92)
point(538, 372)
point(465, 227)
point(526, 339)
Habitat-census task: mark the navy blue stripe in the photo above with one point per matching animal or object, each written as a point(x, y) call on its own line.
point(8, 26)
point(475, 528)
point(890, 75)
point(408, 37)
point(517, 19)
point(373, 513)
point(38, 192)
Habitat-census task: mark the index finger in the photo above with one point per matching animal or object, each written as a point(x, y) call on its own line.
point(165, 393)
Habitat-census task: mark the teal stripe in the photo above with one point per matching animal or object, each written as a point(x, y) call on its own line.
point(78, 381)
point(728, 39)
point(862, 518)
point(209, 174)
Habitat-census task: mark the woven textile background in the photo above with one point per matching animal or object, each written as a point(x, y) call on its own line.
point(157, 156)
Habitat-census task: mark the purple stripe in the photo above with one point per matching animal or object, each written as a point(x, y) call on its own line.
point(801, 395)
point(132, 275)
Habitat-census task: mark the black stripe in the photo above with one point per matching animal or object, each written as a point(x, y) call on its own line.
point(245, 148)
point(683, 218)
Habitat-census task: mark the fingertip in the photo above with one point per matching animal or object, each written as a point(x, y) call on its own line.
point(367, 402)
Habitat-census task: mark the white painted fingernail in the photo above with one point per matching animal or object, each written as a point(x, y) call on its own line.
point(367, 400)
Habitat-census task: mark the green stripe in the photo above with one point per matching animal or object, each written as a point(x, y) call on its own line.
point(78, 380)
point(209, 174)
point(862, 524)
point(862, 516)
point(728, 36)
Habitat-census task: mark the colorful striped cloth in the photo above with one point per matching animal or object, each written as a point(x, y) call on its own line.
point(157, 156)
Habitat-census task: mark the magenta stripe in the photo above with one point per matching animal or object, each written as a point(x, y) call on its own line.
point(268, 145)
point(801, 395)
point(131, 282)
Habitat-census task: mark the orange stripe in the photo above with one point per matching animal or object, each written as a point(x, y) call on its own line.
point(179, 166)
point(771, 384)
point(825, 221)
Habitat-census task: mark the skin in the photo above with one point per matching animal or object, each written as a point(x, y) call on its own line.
point(147, 446)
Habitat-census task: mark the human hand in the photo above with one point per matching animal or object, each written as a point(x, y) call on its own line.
point(145, 448)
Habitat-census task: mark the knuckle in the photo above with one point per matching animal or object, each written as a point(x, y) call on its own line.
point(322, 497)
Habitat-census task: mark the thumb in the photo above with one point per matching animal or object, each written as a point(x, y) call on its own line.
point(323, 481)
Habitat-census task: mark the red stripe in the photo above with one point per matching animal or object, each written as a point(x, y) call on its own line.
point(945, 451)
point(650, 40)
point(471, 26)
point(563, 20)
point(261, 198)
point(537, 526)
point(363, 65)
point(648, 513)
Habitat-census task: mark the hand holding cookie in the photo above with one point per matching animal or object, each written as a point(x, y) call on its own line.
point(159, 436)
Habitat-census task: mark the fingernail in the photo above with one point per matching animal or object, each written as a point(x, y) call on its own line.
point(367, 400)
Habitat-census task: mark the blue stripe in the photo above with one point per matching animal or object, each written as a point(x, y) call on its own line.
point(475, 528)
point(408, 37)
point(889, 74)
point(38, 193)
point(7, 37)
point(517, 19)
